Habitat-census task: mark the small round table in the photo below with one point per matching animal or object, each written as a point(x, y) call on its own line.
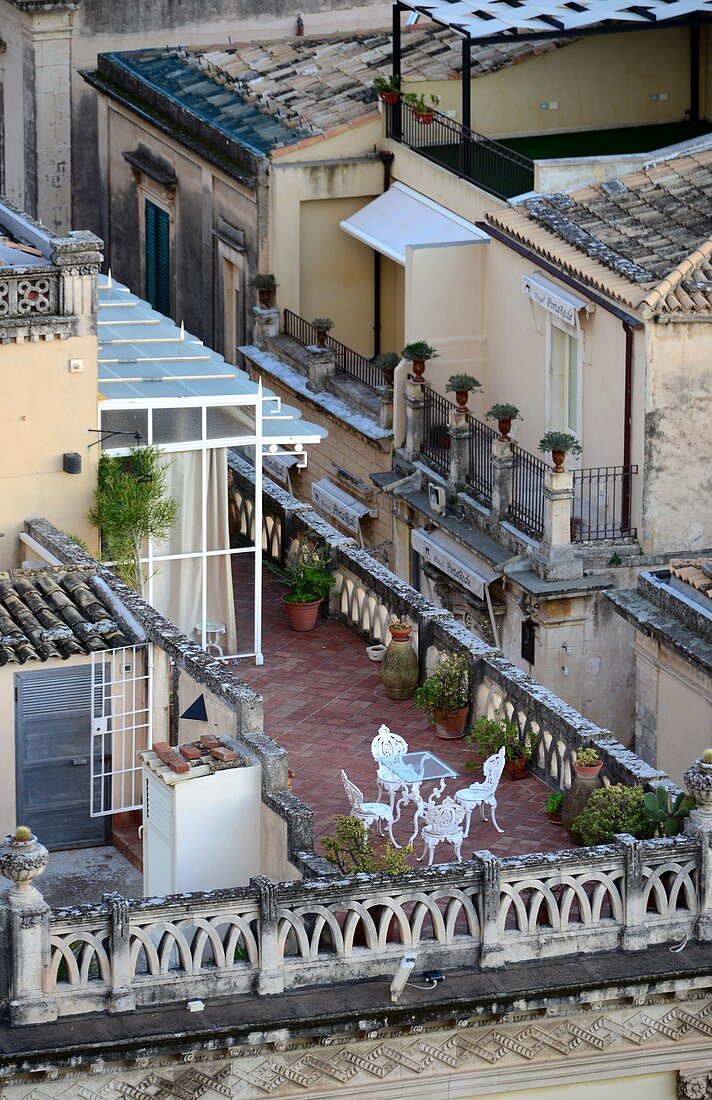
point(213, 634)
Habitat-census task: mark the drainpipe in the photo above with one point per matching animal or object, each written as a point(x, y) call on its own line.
point(386, 160)
point(627, 422)
point(396, 69)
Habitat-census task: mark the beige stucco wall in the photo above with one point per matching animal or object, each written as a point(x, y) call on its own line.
point(673, 707)
point(646, 1086)
point(678, 443)
point(637, 65)
point(46, 410)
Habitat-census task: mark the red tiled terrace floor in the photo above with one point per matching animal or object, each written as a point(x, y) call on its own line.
point(324, 702)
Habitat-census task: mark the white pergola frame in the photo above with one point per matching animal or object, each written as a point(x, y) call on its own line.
point(275, 445)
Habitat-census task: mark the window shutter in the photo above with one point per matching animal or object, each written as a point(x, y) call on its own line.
point(158, 258)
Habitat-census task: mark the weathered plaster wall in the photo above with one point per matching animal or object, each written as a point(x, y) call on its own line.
point(678, 443)
point(673, 707)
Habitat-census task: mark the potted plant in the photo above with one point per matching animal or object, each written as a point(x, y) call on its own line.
point(504, 414)
point(698, 780)
point(611, 810)
point(560, 444)
point(351, 850)
point(445, 696)
point(387, 88)
point(387, 362)
point(553, 806)
point(668, 820)
point(587, 763)
point(22, 859)
point(265, 286)
point(461, 385)
point(399, 667)
point(422, 112)
point(705, 761)
point(418, 353)
point(490, 734)
point(311, 577)
point(323, 325)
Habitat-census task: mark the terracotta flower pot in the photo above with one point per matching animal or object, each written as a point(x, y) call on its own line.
point(450, 724)
point(388, 374)
point(321, 334)
point(516, 768)
point(302, 616)
point(418, 369)
point(424, 117)
point(264, 294)
point(400, 634)
point(558, 457)
point(390, 97)
point(588, 771)
point(505, 427)
point(555, 817)
point(461, 398)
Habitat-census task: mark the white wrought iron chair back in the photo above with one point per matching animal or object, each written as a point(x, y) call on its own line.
point(354, 795)
point(443, 818)
point(492, 770)
point(484, 793)
point(387, 743)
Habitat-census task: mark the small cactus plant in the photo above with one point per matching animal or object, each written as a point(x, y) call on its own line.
point(587, 758)
point(706, 757)
point(668, 821)
point(22, 834)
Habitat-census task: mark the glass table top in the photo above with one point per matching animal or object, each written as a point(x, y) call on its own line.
point(417, 767)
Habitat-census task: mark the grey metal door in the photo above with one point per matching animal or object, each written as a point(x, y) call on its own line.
point(53, 746)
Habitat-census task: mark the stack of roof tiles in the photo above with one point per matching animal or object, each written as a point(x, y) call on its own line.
point(646, 238)
point(53, 613)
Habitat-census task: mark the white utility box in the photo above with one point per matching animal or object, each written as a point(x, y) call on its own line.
point(201, 829)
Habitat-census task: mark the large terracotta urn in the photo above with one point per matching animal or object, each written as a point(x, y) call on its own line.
point(399, 667)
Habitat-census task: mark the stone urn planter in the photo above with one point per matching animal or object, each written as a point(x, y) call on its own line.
point(587, 780)
point(399, 667)
point(698, 780)
point(22, 860)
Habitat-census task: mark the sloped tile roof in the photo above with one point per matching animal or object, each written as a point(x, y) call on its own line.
point(646, 238)
point(54, 613)
point(696, 572)
point(274, 94)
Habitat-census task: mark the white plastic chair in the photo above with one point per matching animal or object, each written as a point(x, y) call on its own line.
point(386, 743)
point(443, 822)
point(368, 812)
point(485, 793)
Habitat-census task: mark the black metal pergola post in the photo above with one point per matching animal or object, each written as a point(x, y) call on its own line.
point(466, 103)
point(397, 65)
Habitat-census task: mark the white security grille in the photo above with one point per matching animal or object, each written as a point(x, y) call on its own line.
point(120, 727)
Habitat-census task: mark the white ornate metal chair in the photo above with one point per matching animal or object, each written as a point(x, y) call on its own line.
point(386, 743)
point(443, 821)
point(368, 812)
point(484, 793)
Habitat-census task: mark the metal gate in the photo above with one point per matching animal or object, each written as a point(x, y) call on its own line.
point(121, 681)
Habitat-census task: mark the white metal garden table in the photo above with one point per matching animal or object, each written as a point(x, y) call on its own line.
point(414, 769)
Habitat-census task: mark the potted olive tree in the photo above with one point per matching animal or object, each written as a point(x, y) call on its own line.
point(504, 414)
point(491, 734)
point(323, 326)
point(265, 285)
point(418, 353)
point(445, 696)
point(560, 444)
point(462, 385)
point(387, 88)
point(386, 362)
point(311, 579)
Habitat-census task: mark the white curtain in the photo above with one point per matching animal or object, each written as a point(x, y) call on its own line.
point(177, 585)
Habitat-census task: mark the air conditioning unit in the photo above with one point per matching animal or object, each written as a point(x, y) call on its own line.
point(438, 498)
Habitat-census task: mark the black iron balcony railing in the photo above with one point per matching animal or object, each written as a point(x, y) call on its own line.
point(479, 470)
point(435, 444)
point(601, 508)
point(348, 361)
point(487, 163)
point(526, 509)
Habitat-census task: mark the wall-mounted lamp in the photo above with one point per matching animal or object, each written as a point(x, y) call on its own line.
point(72, 462)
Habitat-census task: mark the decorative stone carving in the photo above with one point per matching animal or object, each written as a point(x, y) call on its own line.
point(694, 1086)
point(698, 780)
point(22, 861)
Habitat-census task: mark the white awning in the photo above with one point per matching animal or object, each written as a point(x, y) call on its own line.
point(461, 565)
point(401, 217)
point(340, 505)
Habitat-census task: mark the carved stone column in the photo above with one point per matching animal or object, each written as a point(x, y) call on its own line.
point(27, 921)
point(491, 949)
point(266, 324)
point(385, 411)
point(698, 780)
point(502, 466)
point(560, 560)
point(459, 432)
point(322, 365)
point(414, 406)
point(635, 934)
point(270, 977)
point(121, 998)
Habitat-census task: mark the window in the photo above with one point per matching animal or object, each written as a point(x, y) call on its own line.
point(564, 380)
point(157, 244)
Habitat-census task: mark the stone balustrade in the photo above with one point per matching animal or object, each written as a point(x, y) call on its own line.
point(269, 937)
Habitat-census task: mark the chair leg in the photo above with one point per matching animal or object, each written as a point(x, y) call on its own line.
point(390, 833)
point(482, 810)
point(493, 809)
point(420, 858)
point(431, 848)
point(468, 819)
point(457, 845)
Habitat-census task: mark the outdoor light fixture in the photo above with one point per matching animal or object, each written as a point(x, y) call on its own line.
point(196, 712)
point(402, 974)
point(71, 462)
